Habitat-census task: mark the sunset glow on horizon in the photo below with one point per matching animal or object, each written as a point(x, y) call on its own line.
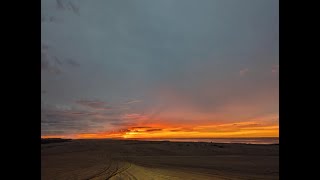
point(250, 129)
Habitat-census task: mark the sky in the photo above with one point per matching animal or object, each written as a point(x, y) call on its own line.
point(159, 69)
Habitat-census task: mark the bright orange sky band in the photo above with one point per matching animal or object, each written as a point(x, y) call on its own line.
point(249, 129)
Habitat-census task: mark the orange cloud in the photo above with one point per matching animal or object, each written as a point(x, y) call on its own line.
point(222, 130)
point(176, 120)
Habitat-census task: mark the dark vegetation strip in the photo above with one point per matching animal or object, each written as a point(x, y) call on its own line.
point(53, 140)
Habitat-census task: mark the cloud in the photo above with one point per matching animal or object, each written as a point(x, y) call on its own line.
point(132, 101)
point(122, 124)
point(135, 116)
point(52, 63)
point(243, 72)
point(57, 60)
point(44, 46)
point(152, 130)
point(181, 129)
point(74, 119)
point(275, 69)
point(140, 131)
point(46, 64)
point(50, 19)
point(99, 105)
point(64, 120)
point(67, 5)
point(72, 62)
point(141, 127)
point(74, 8)
point(46, 60)
point(60, 4)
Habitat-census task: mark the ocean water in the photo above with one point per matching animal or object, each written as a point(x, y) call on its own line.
point(223, 140)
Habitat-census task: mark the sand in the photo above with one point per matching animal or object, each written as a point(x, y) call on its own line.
point(121, 159)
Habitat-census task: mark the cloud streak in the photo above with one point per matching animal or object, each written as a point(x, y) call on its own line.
point(99, 105)
point(52, 63)
point(133, 101)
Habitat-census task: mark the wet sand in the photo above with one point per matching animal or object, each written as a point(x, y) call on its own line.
point(128, 159)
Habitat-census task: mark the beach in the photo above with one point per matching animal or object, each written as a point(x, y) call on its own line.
point(133, 159)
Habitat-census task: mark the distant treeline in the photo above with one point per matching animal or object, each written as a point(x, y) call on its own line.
point(53, 140)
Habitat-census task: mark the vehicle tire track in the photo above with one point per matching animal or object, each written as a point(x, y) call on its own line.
point(100, 173)
point(117, 172)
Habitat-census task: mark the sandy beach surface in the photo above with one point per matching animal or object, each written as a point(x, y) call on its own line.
point(147, 160)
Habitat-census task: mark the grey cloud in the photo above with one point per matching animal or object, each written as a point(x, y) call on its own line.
point(46, 60)
point(60, 4)
point(94, 104)
point(122, 124)
point(57, 60)
point(52, 63)
point(105, 119)
point(50, 19)
point(74, 8)
point(56, 118)
point(44, 46)
point(133, 101)
point(72, 62)
point(67, 5)
point(46, 64)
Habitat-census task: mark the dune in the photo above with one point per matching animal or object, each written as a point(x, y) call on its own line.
point(131, 159)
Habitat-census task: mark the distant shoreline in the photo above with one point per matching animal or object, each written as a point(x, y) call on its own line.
point(259, 140)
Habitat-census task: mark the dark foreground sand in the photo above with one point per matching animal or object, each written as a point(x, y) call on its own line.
point(119, 159)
